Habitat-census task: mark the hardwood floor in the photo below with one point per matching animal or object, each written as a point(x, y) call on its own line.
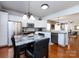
point(70, 51)
point(55, 51)
point(4, 52)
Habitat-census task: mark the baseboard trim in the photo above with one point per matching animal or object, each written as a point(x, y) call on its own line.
point(10, 46)
point(4, 46)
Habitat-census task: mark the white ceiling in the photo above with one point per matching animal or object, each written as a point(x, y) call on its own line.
point(74, 18)
point(35, 6)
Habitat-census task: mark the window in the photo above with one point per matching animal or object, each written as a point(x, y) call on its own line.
point(57, 27)
point(77, 27)
point(48, 26)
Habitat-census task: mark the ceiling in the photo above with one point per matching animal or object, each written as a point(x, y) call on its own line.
point(35, 6)
point(74, 18)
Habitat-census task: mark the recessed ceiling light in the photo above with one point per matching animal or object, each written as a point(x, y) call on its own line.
point(44, 6)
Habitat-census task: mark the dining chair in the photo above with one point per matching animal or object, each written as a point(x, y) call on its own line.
point(40, 49)
point(18, 50)
point(74, 35)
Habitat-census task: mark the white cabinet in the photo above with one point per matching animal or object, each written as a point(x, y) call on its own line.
point(63, 39)
point(3, 28)
point(37, 23)
point(40, 24)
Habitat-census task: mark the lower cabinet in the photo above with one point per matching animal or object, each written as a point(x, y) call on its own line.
point(61, 39)
point(54, 38)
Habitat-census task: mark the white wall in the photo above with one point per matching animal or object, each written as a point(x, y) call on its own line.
point(3, 28)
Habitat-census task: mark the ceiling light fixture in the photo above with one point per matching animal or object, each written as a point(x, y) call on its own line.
point(58, 22)
point(28, 15)
point(44, 6)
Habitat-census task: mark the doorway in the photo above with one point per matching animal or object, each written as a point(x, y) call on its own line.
point(13, 27)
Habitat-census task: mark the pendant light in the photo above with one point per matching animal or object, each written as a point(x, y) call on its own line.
point(28, 15)
point(25, 16)
point(40, 18)
point(58, 21)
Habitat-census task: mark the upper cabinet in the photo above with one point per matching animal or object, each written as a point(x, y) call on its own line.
point(40, 24)
point(14, 18)
point(37, 23)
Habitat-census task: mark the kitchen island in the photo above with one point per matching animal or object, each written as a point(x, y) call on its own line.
point(59, 37)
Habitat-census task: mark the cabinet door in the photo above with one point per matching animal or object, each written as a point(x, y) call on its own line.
point(54, 38)
point(3, 28)
point(61, 39)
